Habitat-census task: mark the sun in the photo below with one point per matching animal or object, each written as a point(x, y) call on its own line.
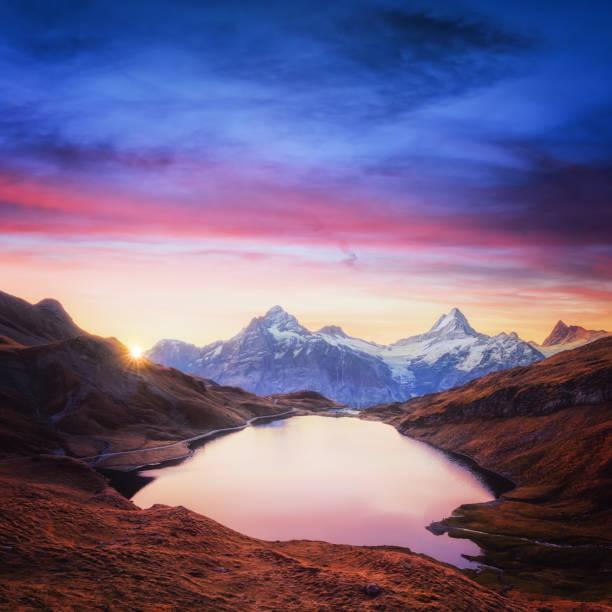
point(135, 352)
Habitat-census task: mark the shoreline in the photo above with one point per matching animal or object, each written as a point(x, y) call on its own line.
point(97, 458)
point(129, 481)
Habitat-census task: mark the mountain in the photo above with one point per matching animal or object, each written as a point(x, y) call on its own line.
point(275, 354)
point(564, 337)
point(32, 324)
point(69, 392)
point(70, 541)
point(563, 334)
point(548, 428)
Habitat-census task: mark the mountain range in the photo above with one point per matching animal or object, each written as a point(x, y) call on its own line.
point(275, 354)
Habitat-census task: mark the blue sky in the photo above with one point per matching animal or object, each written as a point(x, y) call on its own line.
point(398, 139)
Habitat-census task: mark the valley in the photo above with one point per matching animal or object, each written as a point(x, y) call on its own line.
point(72, 402)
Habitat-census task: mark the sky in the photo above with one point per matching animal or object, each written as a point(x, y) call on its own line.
point(174, 168)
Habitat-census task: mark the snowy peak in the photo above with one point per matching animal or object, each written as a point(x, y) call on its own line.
point(276, 321)
point(333, 330)
point(276, 313)
point(275, 354)
point(277, 317)
point(453, 322)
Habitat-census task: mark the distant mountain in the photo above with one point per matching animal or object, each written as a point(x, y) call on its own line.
point(564, 337)
point(275, 354)
point(564, 334)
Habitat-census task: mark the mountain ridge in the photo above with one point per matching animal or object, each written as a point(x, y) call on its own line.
point(274, 353)
point(33, 324)
point(568, 334)
point(566, 337)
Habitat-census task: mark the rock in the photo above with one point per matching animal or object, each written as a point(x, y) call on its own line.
point(372, 590)
point(437, 528)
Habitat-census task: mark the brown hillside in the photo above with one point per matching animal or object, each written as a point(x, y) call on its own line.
point(548, 427)
point(72, 543)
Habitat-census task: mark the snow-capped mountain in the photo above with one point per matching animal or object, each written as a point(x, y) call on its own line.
point(275, 354)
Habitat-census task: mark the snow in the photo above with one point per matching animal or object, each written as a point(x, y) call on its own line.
point(356, 344)
point(474, 358)
point(449, 347)
point(450, 335)
point(285, 335)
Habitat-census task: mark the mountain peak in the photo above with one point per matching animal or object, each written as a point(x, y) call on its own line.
point(275, 312)
point(52, 306)
point(278, 318)
point(35, 324)
point(332, 330)
point(560, 333)
point(455, 320)
point(567, 334)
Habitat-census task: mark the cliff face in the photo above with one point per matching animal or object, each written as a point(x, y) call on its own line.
point(548, 427)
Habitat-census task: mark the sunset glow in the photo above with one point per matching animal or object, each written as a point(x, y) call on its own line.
point(372, 168)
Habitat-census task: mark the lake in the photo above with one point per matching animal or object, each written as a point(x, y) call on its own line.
point(341, 480)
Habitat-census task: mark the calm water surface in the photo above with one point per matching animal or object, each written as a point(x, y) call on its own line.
point(340, 480)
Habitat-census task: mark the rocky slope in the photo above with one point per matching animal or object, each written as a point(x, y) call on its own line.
point(32, 324)
point(85, 396)
point(565, 337)
point(548, 427)
point(275, 354)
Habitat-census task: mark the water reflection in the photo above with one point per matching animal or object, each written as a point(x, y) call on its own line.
point(341, 480)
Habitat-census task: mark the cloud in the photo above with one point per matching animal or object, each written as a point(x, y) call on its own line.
point(360, 130)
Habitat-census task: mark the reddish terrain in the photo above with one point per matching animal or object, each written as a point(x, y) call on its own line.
point(70, 542)
point(547, 427)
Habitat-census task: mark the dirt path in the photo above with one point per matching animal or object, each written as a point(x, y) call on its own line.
point(95, 459)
